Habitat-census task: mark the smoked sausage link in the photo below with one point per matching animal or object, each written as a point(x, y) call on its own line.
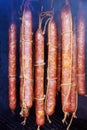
point(39, 78)
point(81, 52)
point(52, 68)
point(73, 94)
point(12, 66)
point(66, 21)
point(28, 67)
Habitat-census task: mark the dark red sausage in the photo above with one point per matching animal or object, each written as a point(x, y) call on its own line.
point(12, 66)
point(27, 66)
point(39, 78)
point(52, 68)
point(73, 94)
point(66, 21)
point(81, 28)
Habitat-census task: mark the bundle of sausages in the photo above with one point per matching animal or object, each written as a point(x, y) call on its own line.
point(65, 65)
point(73, 72)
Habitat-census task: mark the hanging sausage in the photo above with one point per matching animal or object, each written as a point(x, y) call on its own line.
point(12, 66)
point(81, 28)
point(51, 69)
point(66, 21)
point(39, 77)
point(73, 94)
point(27, 67)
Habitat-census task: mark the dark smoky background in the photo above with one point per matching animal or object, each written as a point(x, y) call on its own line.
point(10, 11)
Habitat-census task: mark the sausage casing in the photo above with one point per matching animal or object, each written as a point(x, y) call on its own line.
point(66, 20)
point(39, 78)
point(12, 66)
point(81, 51)
point(52, 68)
